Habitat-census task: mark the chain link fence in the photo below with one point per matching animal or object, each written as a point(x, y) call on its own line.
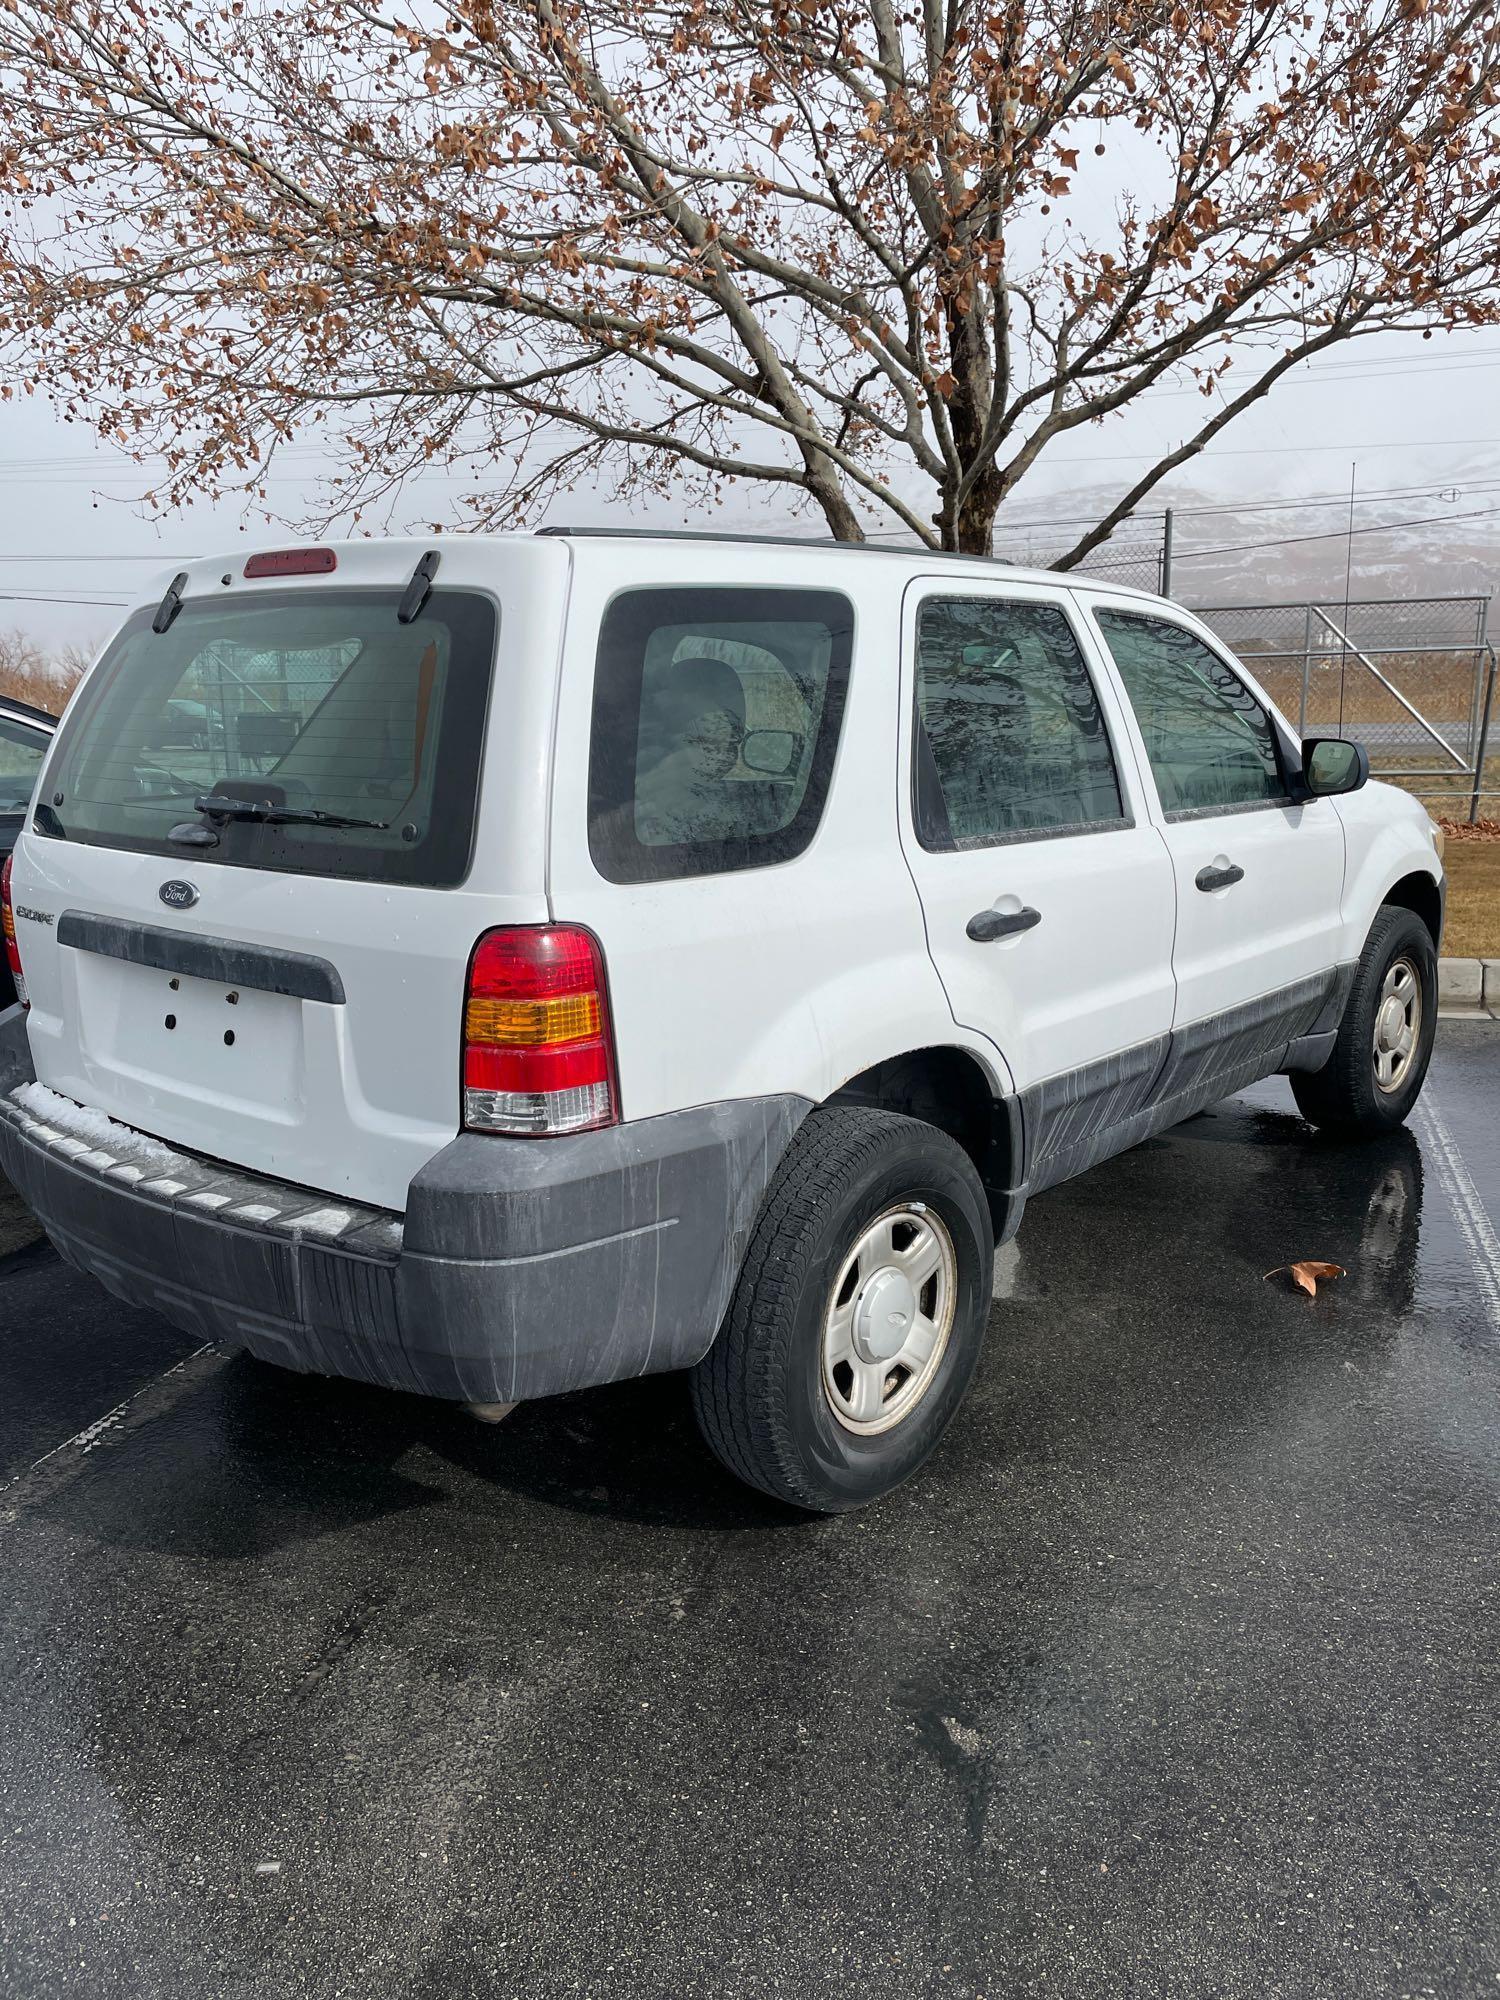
point(1411, 678)
point(1141, 558)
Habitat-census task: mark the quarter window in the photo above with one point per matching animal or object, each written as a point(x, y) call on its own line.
point(21, 754)
point(1209, 740)
point(716, 717)
point(1010, 739)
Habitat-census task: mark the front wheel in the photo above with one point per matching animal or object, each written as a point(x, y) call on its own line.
point(1375, 1074)
point(858, 1316)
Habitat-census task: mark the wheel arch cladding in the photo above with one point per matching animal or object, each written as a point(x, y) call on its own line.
point(1420, 894)
point(948, 1087)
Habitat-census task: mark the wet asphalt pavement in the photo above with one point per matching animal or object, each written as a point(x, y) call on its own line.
point(1176, 1673)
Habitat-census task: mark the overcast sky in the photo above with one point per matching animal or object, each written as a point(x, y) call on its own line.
point(1421, 420)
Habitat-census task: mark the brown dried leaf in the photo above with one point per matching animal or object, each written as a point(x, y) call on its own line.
point(1307, 1273)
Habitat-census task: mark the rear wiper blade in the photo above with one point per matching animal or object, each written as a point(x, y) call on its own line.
point(220, 808)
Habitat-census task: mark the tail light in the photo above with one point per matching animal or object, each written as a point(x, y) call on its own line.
point(8, 925)
point(292, 562)
point(539, 1051)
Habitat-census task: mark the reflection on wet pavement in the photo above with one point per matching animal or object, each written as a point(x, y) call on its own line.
point(1173, 1674)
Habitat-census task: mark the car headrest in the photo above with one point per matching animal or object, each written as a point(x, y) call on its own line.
point(690, 688)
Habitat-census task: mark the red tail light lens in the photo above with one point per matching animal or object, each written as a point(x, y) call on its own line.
point(8, 925)
point(538, 1046)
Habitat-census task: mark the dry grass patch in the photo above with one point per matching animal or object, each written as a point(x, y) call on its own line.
point(1473, 926)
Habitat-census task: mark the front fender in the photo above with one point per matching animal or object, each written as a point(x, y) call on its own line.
point(1387, 837)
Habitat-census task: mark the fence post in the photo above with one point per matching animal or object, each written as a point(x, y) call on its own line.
point(1166, 553)
point(1481, 644)
point(1484, 738)
point(1307, 629)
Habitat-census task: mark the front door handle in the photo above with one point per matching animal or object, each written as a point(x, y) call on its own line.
point(987, 925)
point(1209, 879)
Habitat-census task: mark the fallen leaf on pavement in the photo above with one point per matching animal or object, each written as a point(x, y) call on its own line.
point(1307, 1274)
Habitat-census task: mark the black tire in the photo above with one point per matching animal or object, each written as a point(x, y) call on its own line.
point(759, 1392)
point(1343, 1097)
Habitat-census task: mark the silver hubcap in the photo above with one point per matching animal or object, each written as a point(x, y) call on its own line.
point(1398, 1024)
point(889, 1317)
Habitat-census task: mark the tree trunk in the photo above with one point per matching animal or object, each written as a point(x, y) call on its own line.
point(968, 527)
point(843, 523)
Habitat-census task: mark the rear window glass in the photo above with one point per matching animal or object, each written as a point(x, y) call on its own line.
point(303, 701)
point(716, 717)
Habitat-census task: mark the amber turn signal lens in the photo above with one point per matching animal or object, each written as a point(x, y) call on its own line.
point(567, 1017)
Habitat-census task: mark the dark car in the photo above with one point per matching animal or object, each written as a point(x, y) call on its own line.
point(25, 736)
point(185, 725)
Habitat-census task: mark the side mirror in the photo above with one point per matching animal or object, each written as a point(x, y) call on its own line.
point(772, 752)
point(1331, 765)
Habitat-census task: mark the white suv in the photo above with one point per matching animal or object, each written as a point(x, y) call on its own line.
point(554, 958)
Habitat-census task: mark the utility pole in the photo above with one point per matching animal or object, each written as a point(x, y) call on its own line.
point(1166, 553)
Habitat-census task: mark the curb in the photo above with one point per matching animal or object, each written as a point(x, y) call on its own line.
point(1469, 989)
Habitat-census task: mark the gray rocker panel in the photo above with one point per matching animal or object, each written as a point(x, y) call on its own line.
point(1074, 1120)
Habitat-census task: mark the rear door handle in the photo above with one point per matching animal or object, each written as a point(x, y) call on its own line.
point(1209, 879)
point(987, 925)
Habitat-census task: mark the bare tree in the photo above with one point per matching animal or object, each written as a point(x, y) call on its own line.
point(27, 675)
point(879, 254)
point(21, 659)
point(69, 664)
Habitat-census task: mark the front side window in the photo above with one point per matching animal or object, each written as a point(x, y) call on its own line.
point(22, 750)
point(1209, 740)
point(1010, 738)
point(320, 704)
point(716, 718)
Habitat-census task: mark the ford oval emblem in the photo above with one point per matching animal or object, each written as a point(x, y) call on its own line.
point(178, 895)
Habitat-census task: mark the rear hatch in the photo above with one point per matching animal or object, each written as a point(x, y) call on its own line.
point(275, 978)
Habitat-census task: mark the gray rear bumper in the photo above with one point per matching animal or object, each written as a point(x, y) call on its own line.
point(521, 1268)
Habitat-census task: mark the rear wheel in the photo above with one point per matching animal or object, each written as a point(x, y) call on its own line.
point(1375, 1074)
point(858, 1316)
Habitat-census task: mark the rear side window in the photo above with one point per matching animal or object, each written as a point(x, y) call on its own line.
point(1010, 739)
point(1208, 739)
point(21, 752)
point(307, 701)
point(716, 718)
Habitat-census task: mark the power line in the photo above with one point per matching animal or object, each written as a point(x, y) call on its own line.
point(75, 598)
point(1459, 491)
point(1004, 531)
point(1339, 534)
point(1345, 371)
point(1280, 450)
point(1430, 489)
point(64, 472)
point(163, 559)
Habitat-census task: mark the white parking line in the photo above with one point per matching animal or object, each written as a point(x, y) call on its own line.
point(1469, 1212)
point(150, 1400)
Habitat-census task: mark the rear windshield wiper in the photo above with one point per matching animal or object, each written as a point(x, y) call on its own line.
point(217, 807)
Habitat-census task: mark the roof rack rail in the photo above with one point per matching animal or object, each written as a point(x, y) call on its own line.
point(768, 541)
point(562, 530)
point(701, 535)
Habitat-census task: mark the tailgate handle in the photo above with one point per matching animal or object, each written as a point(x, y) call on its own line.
point(987, 925)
